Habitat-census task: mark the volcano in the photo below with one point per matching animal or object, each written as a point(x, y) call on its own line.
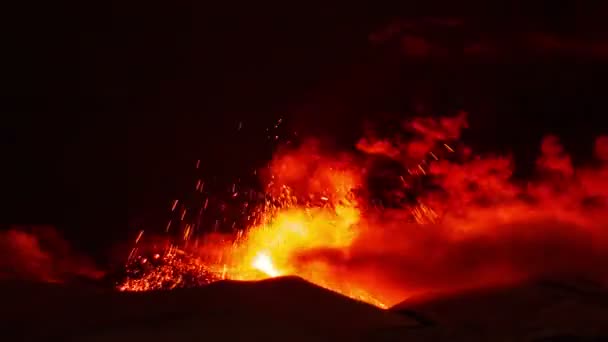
point(285, 308)
point(289, 308)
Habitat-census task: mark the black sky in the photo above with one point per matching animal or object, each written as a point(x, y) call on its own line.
point(106, 109)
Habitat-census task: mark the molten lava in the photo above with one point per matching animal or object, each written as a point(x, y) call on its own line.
point(450, 220)
point(262, 262)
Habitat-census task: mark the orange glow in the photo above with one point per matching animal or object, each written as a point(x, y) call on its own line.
point(290, 228)
point(263, 263)
point(479, 229)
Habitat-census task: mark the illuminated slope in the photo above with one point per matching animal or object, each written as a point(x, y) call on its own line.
point(283, 308)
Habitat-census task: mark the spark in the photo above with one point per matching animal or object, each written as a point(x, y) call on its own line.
point(183, 214)
point(141, 233)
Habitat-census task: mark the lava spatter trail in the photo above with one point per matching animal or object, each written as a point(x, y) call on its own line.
point(445, 219)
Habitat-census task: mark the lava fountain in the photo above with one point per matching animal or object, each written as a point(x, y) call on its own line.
point(446, 219)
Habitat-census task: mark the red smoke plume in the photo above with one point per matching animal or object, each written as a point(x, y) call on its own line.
point(41, 254)
point(488, 229)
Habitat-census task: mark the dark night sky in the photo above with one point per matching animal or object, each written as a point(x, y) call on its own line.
point(106, 110)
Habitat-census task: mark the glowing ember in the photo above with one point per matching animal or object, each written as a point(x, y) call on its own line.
point(443, 219)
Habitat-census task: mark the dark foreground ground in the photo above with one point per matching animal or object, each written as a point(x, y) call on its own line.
point(291, 309)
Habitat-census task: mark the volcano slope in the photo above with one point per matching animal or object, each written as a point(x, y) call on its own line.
point(286, 308)
point(290, 308)
point(536, 311)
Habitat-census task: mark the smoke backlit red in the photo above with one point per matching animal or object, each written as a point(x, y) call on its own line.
point(457, 220)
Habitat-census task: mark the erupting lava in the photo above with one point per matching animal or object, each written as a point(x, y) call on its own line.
point(436, 218)
point(263, 263)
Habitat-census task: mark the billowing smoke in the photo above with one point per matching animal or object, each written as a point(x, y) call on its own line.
point(482, 227)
